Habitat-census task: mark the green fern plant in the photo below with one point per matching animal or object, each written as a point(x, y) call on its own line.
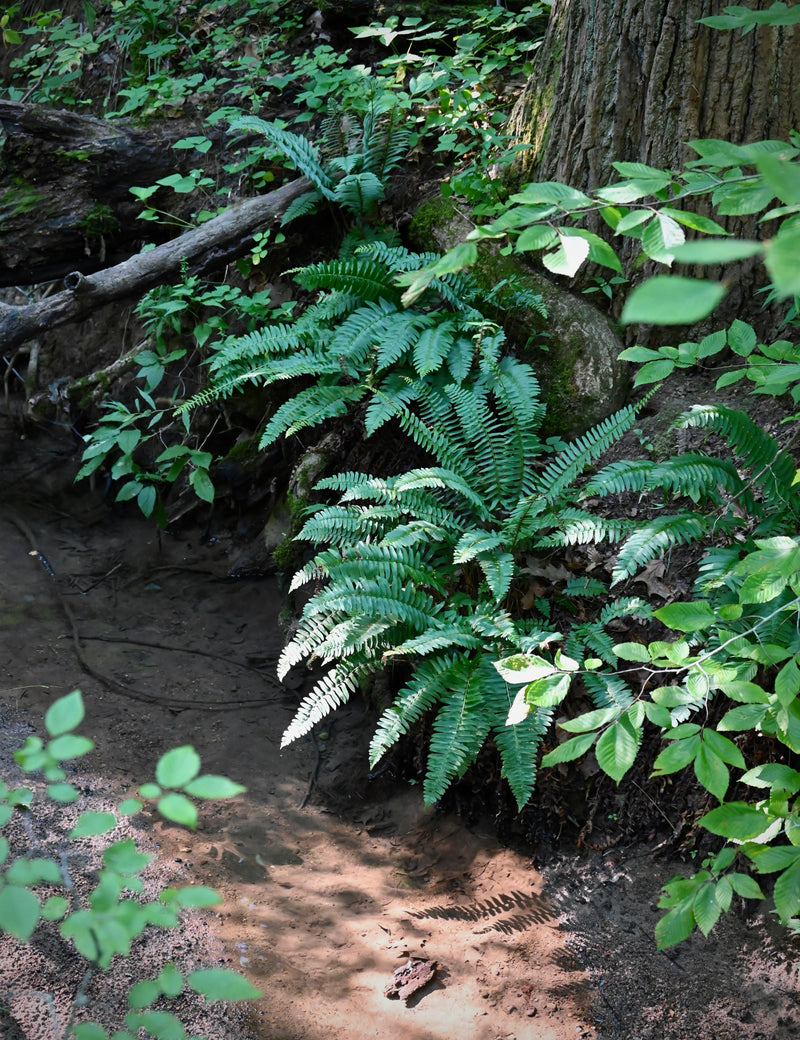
point(753, 491)
point(419, 568)
point(357, 342)
point(350, 165)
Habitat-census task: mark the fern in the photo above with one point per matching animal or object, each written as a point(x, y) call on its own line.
point(298, 150)
point(308, 408)
point(653, 538)
point(360, 277)
point(772, 468)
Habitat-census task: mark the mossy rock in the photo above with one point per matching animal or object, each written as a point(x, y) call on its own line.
point(574, 352)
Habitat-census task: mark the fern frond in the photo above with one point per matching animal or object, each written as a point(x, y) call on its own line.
point(772, 468)
point(411, 703)
point(328, 694)
point(435, 639)
point(363, 278)
point(432, 347)
point(655, 537)
point(608, 691)
point(309, 408)
point(341, 525)
point(519, 748)
point(390, 399)
point(359, 192)
point(300, 207)
point(459, 729)
point(370, 327)
point(297, 149)
point(577, 527)
point(397, 341)
point(386, 141)
point(629, 475)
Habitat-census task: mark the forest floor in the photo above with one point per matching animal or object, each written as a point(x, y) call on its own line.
point(330, 880)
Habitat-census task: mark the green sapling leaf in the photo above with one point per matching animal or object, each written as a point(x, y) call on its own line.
point(19, 911)
point(177, 808)
point(177, 767)
point(64, 714)
point(211, 786)
point(222, 984)
point(92, 823)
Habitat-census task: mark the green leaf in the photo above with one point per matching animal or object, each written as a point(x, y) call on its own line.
point(568, 257)
point(589, 720)
point(687, 617)
point(161, 1024)
point(782, 176)
point(654, 372)
point(64, 714)
point(773, 774)
point(631, 652)
point(677, 755)
point(197, 895)
point(537, 236)
point(55, 908)
point(222, 984)
point(717, 250)
point(783, 261)
point(711, 772)
point(672, 300)
point(202, 484)
point(170, 980)
point(569, 750)
point(695, 221)
point(124, 858)
point(143, 994)
point(746, 716)
point(724, 748)
point(150, 791)
point(146, 499)
point(63, 792)
point(177, 808)
point(129, 806)
point(70, 745)
point(705, 907)
point(674, 926)
point(92, 823)
point(736, 820)
point(786, 893)
point(19, 911)
point(32, 871)
point(178, 766)
point(212, 786)
point(88, 1031)
point(745, 886)
point(617, 747)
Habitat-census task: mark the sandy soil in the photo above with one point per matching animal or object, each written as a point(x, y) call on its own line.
point(330, 881)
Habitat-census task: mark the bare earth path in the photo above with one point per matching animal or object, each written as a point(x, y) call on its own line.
point(331, 881)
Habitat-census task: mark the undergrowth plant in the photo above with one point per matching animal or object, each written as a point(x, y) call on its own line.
point(104, 923)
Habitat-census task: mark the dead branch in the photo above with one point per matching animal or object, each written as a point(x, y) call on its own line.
point(222, 237)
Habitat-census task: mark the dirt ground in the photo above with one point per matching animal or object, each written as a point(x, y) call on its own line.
point(330, 880)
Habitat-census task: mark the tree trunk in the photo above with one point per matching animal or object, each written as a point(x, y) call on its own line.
point(635, 80)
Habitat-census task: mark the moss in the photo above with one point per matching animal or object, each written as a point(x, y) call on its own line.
point(430, 214)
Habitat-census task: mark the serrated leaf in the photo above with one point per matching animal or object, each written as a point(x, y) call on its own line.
point(745, 886)
point(736, 820)
point(524, 668)
point(672, 300)
point(64, 714)
point(222, 984)
point(178, 766)
point(589, 720)
point(724, 748)
point(786, 893)
point(717, 250)
point(632, 652)
point(568, 257)
point(674, 926)
point(711, 771)
point(687, 617)
point(569, 750)
point(677, 755)
point(617, 747)
point(519, 710)
point(773, 774)
point(705, 907)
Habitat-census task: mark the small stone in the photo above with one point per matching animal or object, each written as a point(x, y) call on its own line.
point(532, 1012)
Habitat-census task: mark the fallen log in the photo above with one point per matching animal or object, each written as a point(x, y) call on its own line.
point(65, 199)
point(211, 244)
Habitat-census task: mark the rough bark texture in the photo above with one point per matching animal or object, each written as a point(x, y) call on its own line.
point(635, 80)
point(65, 200)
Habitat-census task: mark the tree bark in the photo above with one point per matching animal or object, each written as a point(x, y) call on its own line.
point(634, 80)
point(65, 200)
point(212, 244)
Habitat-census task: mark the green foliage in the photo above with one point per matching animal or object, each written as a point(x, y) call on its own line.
point(103, 926)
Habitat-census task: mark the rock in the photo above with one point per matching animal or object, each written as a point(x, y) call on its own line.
point(576, 359)
point(410, 978)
